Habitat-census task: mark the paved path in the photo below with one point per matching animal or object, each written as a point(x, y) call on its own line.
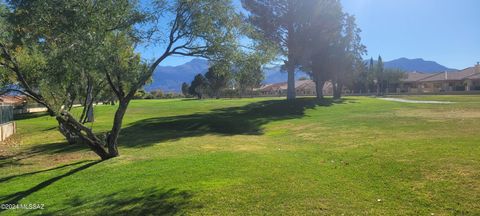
point(416, 101)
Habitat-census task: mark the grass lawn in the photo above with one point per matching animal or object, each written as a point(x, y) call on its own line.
point(256, 157)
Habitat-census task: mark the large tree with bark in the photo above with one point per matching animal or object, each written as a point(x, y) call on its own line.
point(279, 21)
point(55, 43)
point(321, 32)
point(330, 45)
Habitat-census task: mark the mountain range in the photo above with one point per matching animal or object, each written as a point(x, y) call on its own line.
point(170, 78)
point(417, 64)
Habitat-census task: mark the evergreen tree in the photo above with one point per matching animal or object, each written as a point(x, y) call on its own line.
point(279, 21)
point(217, 78)
point(371, 75)
point(379, 75)
point(185, 88)
point(199, 86)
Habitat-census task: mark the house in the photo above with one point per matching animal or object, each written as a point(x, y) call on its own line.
point(18, 102)
point(7, 109)
point(302, 88)
point(14, 100)
point(465, 80)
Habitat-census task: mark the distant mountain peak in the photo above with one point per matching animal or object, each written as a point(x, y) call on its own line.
point(416, 64)
point(170, 78)
point(197, 61)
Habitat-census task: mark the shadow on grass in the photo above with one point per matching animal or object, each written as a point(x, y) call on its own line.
point(150, 201)
point(4, 179)
point(42, 149)
point(15, 197)
point(246, 120)
point(29, 115)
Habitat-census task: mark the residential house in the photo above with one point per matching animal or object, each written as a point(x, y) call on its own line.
point(465, 80)
point(302, 88)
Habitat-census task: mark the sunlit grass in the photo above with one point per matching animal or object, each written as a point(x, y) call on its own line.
point(257, 156)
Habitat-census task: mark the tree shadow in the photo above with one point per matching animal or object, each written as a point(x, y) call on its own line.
point(244, 120)
point(42, 149)
point(29, 115)
point(15, 197)
point(4, 179)
point(151, 201)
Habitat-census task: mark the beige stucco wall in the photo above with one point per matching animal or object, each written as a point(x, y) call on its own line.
point(7, 130)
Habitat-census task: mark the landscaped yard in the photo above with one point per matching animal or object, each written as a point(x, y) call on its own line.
point(256, 156)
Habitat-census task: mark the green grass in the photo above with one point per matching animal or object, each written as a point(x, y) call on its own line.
point(256, 156)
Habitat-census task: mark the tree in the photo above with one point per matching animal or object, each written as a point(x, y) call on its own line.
point(362, 79)
point(319, 38)
point(199, 86)
point(392, 79)
point(249, 74)
point(331, 45)
point(217, 78)
point(157, 94)
point(379, 76)
point(185, 88)
point(56, 42)
point(371, 74)
point(350, 55)
point(279, 22)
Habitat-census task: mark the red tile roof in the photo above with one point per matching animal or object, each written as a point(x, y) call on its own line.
point(416, 76)
point(13, 100)
point(467, 73)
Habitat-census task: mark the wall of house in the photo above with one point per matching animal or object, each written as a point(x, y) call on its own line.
point(7, 130)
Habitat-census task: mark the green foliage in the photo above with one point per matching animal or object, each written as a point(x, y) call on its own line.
point(157, 93)
point(199, 86)
point(281, 23)
point(217, 77)
point(185, 88)
point(329, 44)
point(140, 94)
point(250, 74)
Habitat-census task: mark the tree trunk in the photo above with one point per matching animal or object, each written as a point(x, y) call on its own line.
point(90, 105)
point(291, 82)
point(337, 90)
point(290, 63)
point(319, 89)
point(112, 137)
point(72, 126)
point(69, 136)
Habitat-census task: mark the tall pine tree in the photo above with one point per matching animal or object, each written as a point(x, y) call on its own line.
point(279, 21)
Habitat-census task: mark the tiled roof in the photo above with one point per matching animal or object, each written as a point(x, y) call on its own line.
point(468, 73)
point(474, 76)
point(13, 100)
point(460, 75)
point(416, 76)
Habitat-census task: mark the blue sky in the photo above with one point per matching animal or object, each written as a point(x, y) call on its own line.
point(445, 31)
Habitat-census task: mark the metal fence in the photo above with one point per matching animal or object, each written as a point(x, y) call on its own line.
point(6, 114)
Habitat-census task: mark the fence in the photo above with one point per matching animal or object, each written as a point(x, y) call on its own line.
point(6, 114)
point(7, 125)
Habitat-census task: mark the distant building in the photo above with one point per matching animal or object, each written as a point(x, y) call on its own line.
point(302, 88)
point(14, 100)
point(464, 80)
point(20, 104)
point(7, 124)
